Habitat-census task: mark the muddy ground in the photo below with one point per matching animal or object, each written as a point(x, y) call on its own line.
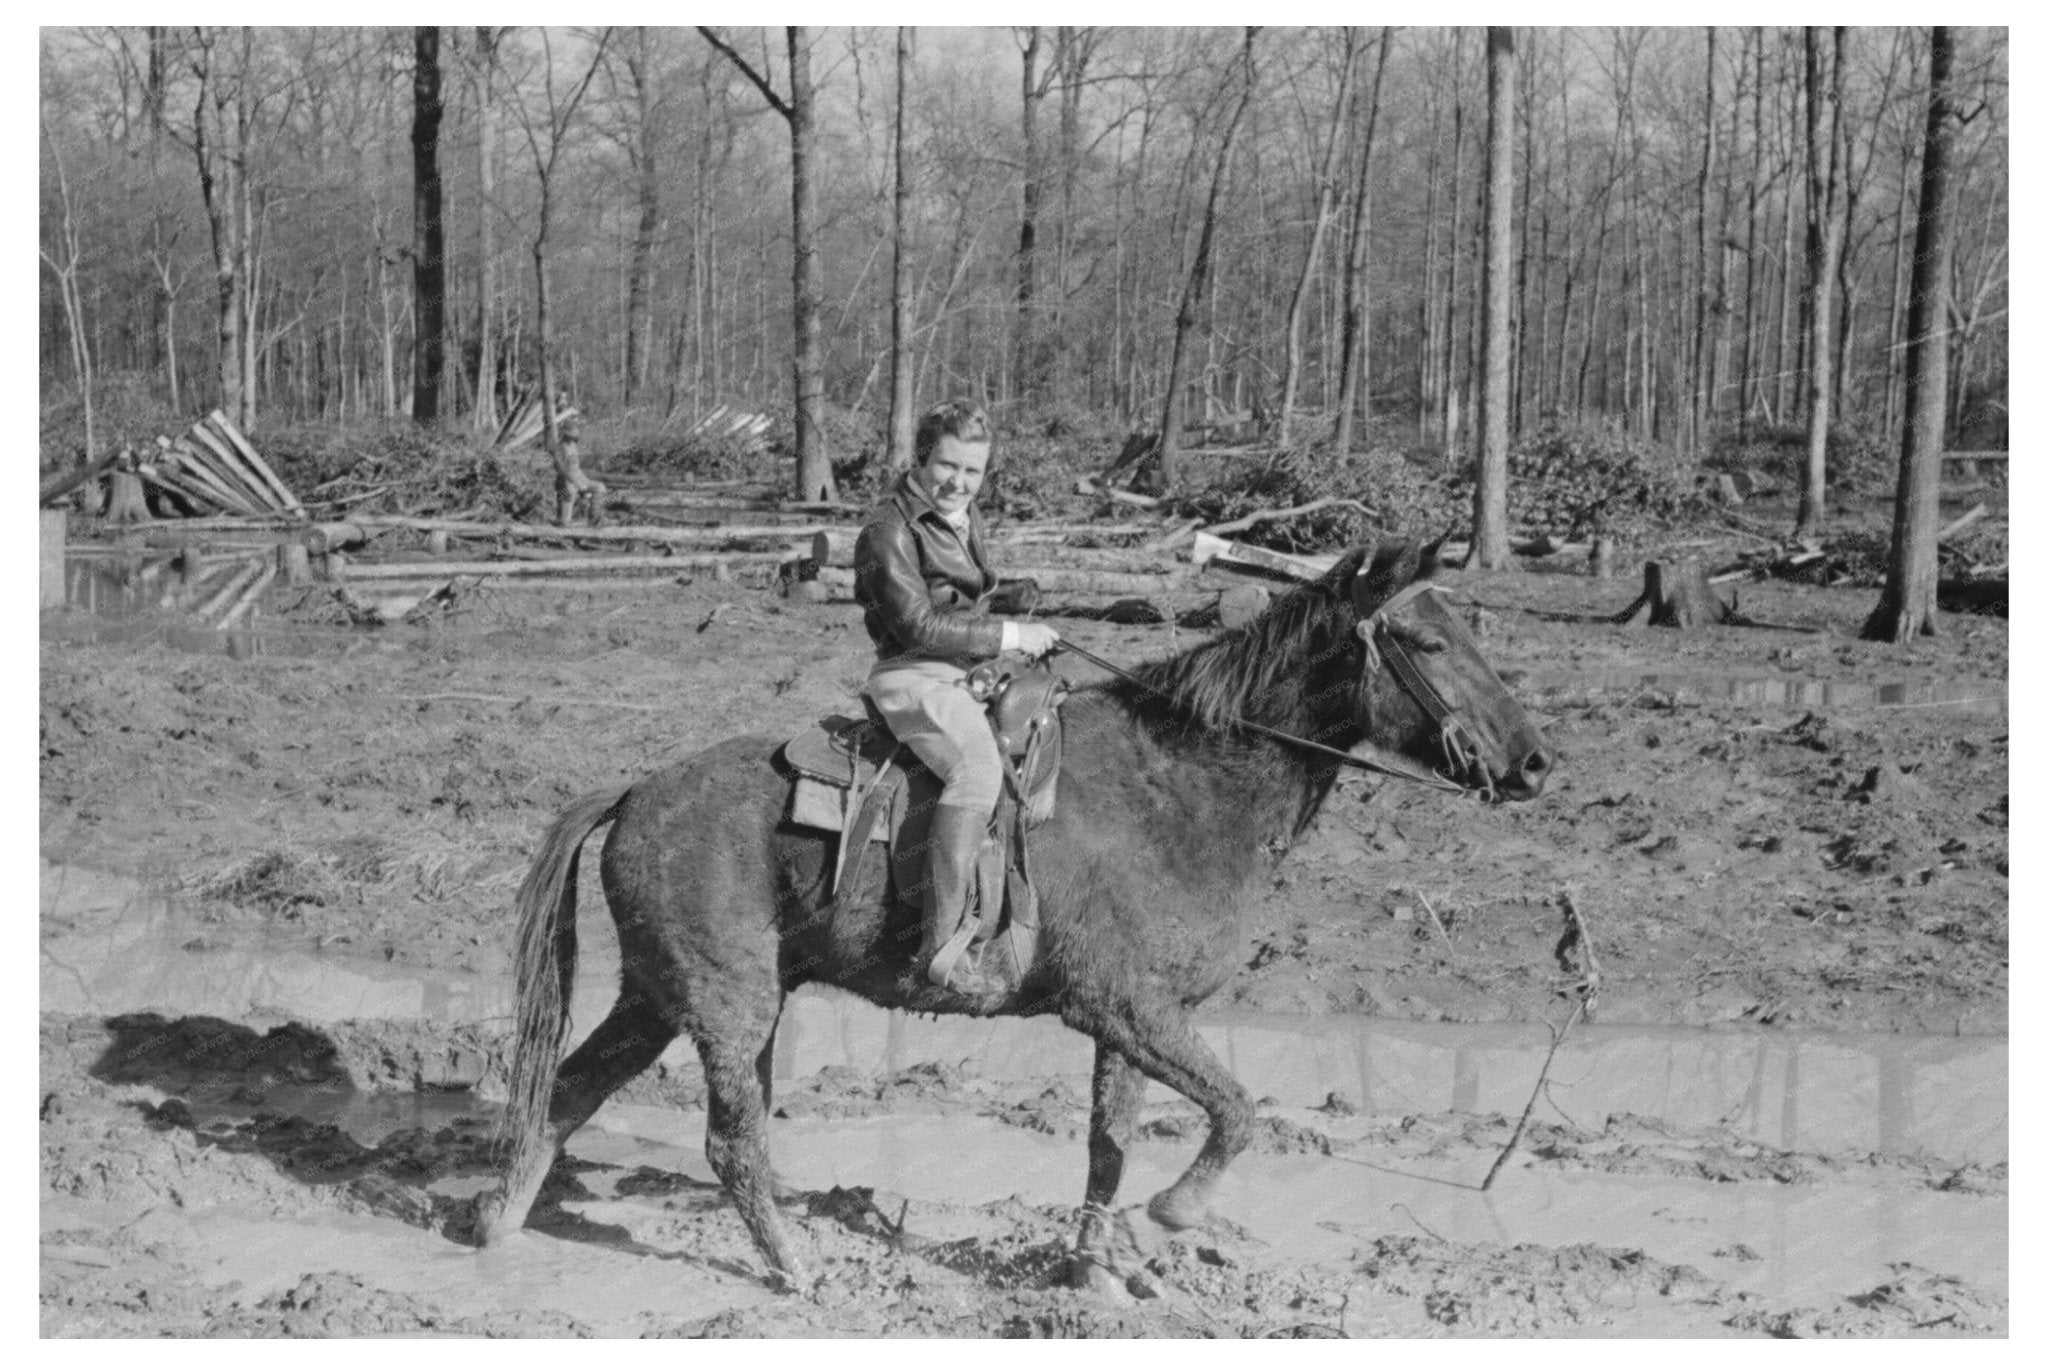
point(1767, 828)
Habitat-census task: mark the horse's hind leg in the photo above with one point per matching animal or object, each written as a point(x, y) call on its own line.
point(1159, 1042)
point(737, 1057)
point(624, 1045)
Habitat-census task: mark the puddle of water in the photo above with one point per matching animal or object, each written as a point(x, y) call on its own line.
point(1813, 1242)
point(1897, 1094)
point(147, 596)
point(1757, 690)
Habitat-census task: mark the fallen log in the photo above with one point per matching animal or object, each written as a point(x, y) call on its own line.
point(1962, 523)
point(1210, 547)
point(185, 459)
point(1283, 514)
point(652, 535)
point(329, 536)
point(61, 484)
point(161, 478)
point(1049, 578)
point(228, 464)
point(285, 498)
point(594, 564)
point(1089, 486)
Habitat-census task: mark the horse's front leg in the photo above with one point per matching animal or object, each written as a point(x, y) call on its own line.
point(1118, 1092)
point(1157, 1039)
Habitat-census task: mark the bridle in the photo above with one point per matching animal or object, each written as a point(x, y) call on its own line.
point(1460, 748)
point(1381, 645)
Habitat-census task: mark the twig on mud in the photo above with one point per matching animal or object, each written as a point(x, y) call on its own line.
point(1419, 1223)
point(539, 701)
point(1573, 943)
point(1442, 932)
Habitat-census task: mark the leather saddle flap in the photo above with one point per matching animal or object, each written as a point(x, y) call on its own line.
point(826, 751)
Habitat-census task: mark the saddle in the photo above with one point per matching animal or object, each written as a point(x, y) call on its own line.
point(851, 776)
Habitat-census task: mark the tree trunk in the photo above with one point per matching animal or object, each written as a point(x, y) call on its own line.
point(1326, 189)
point(429, 274)
point(1490, 493)
point(1907, 607)
point(1024, 349)
point(1823, 243)
point(485, 415)
point(639, 334)
point(1748, 385)
point(1699, 412)
point(1447, 386)
point(813, 461)
point(1354, 387)
point(902, 413)
point(1170, 422)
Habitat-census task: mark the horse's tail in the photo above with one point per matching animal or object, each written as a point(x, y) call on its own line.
point(546, 969)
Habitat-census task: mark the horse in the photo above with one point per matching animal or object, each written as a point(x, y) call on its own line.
point(1178, 790)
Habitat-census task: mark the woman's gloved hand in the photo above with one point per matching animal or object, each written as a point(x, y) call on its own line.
point(1036, 639)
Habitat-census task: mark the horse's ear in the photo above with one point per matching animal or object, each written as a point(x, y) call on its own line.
point(1361, 573)
point(1432, 555)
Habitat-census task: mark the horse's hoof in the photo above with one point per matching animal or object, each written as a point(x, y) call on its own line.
point(1176, 1210)
point(1092, 1276)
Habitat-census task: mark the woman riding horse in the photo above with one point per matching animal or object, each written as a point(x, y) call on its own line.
point(922, 578)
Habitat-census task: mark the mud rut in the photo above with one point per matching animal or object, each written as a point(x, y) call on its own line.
point(284, 1161)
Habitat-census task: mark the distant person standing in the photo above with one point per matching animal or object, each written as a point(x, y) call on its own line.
point(922, 577)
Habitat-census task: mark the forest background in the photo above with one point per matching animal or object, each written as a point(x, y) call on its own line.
point(353, 230)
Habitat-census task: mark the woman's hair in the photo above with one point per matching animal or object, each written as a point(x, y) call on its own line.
point(960, 418)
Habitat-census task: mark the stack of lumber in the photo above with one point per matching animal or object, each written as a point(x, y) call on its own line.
point(726, 421)
point(525, 422)
point(213, 466)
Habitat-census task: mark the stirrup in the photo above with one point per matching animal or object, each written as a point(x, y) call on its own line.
point(950, 959)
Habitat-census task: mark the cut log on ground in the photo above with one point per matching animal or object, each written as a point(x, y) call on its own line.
point(1209, 547)
point(329, 536)
point(59, 485)
point(1963, 523)
point(592, 564)
point(1677, 595)
point(1224, 528)
point(284, 497)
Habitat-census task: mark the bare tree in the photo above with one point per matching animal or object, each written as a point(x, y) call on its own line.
point(1326, 196)
point(1490, 491)
point(1907, 607)
point(1823, 243)
point(484, 69)
point(1354, 387)
point(1171, 420)
point(547, 131)
point(813, 463)
point(429, 266)
point(902, 373)
point(64, 265)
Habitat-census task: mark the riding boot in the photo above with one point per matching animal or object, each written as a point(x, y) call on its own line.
point(954, 848)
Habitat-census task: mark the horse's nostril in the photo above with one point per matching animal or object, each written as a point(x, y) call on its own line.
point(1536, 762)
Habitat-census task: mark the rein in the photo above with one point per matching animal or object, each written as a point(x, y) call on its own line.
point(1391, 764)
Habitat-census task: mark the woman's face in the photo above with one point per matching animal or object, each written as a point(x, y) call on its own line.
point(953, 472)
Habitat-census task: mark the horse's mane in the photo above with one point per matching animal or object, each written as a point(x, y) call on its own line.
point(1226, 678)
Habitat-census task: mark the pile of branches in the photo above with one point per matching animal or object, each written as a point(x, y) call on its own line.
point(397, 469)
point(1393, 495)
point(1577, 485)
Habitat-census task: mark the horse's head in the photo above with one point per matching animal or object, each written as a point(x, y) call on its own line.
point(1424, 689)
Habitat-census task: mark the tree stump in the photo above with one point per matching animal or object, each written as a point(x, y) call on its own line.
point(1678, 596)
point(125, 506)
point(1241, 604)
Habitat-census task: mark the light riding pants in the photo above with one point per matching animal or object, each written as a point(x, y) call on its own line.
point(928, 707)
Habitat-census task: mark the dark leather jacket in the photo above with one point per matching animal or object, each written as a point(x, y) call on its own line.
point(922, 588)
